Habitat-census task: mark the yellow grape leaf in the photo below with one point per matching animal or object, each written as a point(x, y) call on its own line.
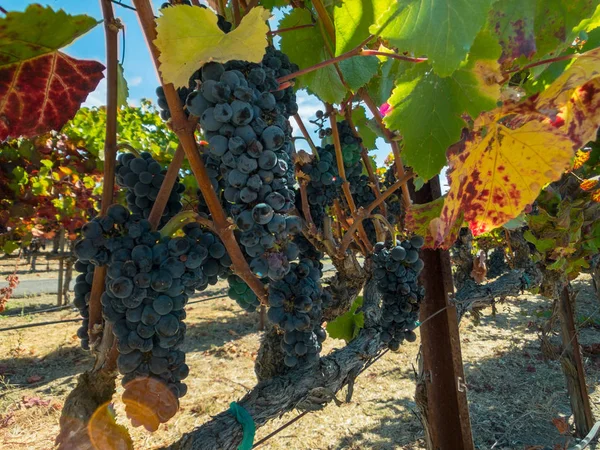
point(499, 172)
point(189, 37)
point(581, 114)
point(585, 68)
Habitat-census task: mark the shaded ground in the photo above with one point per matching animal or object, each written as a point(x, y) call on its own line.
point(514, 393)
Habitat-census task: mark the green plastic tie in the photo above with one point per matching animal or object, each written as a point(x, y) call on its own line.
point(527, 280)
point(417, 323)
point(245, 420)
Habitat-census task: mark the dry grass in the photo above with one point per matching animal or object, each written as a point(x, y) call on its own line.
point(514, 393)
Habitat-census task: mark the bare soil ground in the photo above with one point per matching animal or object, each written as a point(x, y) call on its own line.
point(514, 392)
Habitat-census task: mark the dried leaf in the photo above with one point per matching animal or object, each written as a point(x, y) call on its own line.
point(581, 157)
point(590, 183)
point(561, 425)
point(479, 268)
point(34, 379)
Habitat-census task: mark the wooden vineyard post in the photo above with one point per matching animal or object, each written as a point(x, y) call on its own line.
point(572, 366)
point(446, 419)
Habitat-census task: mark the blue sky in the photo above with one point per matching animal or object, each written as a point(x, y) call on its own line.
point(138, 67)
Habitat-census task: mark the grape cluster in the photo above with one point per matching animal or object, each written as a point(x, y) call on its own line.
point(394, 202)
point(324, 184)
point(295, 305)
point(244, 118)
point(149, 280)
point(496, 264)
point(82, 290)
point(242, 294)
point(308, 251)
point(142, 178)
point(183, 92)
point(396, 271)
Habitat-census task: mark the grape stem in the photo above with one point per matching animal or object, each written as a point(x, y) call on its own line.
point(306, 208)
point(363, 213)
point(177, 222)
point(285, 30)
point(181, 127)
point(129, 148)
point(342, 171)
point(298, 120)
point(391, 140)
point(111, 31)
point(166, 188)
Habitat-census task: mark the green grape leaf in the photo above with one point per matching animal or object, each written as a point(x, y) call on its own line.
point(352, 19)
point(122, 88)
point(427, 109)
point(41, 88)
point(306, 48)
point(381, 86)
point(37, 31)
point(348, 325)
point(442, 30)
point(539, 27)
point(359, 70)
point(359, 118)
point(9, 247)
point(557, 23)
point(270, 4)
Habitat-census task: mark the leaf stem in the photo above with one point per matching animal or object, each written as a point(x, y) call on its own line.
point(367, 52)
point(357, 51)
point(325, 19)
point(110, 155)
point(185, 133)
point(544, 61)
point(285, 30)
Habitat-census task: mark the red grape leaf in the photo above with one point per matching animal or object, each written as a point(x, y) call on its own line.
point(43, 93)
point(40, 87)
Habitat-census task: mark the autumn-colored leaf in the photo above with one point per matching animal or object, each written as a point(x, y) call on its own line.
point(584, 69)
point(189, 37)
point(581, 113)
point(31, 402)
point(581, 157)
point(34, 379)
point(479, 271)
point(420, 219)
point(596, 196)
point(561, 425)
point(42, 88)
point(590, 183)
point(500, 171)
